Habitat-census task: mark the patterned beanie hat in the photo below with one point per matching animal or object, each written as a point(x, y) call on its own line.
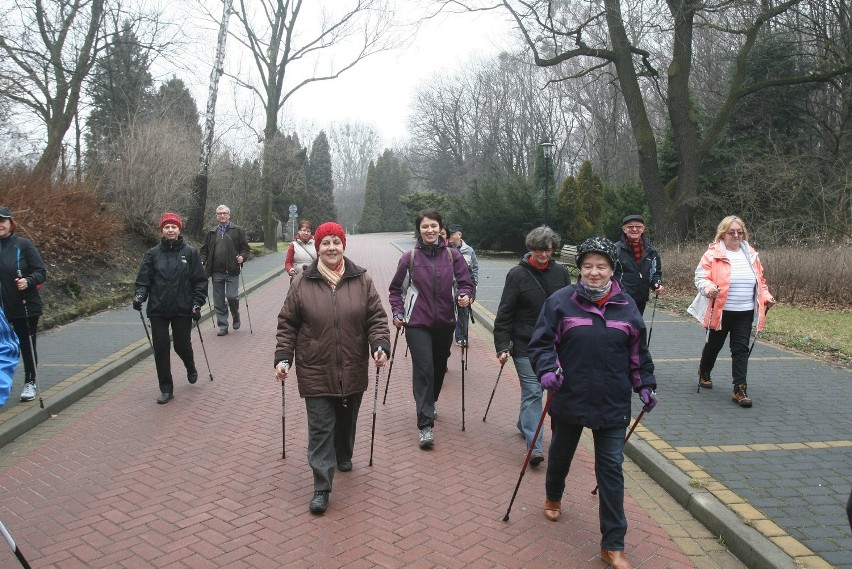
point(326, 229)
point(600, 245)
point(171, 217)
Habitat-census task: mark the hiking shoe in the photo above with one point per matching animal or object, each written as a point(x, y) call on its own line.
point(704, 379)
point(740, 396)
point(319, 503)
point(28, 393)
point(222, 332)
point(537, 458)
point(427, 438)
point(192, 375)
point(164, 398)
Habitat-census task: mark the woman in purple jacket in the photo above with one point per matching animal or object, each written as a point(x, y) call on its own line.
point(421, 297)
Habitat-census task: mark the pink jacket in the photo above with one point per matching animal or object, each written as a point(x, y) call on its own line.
point(715, 269)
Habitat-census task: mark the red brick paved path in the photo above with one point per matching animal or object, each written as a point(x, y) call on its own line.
point(118, 481)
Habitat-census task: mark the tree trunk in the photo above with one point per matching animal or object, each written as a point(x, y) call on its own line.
point(646, 144)
point(270, 238)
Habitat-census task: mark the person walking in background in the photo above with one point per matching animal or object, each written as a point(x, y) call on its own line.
point(22, 273)
point(732, 297)
point(331, 321)
point(223, 253)
point(172, 280)
point(455, 235)
point(639, 267)
point(9, 353)
point(526, 288)
point(423, 301)
point(301, 252)
point(589, 350)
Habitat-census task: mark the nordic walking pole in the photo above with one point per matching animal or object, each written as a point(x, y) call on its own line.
point(245, 299)
point(14, 547)
point(707, 335)
point(203, 349)
point(390, 369)
point(30, 339)
point(463, 359)
point(212, 314)
point(375, 400)
point(145, 325)
point(653, 314)
point(529, 453)
point(630, 432)
point(494, 390)
point(283, 423)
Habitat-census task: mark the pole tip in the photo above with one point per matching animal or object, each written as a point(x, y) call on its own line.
point(506, 518)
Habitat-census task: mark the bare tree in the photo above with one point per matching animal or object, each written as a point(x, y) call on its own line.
point(613, 34)
point(291, 46)
point(49, 47)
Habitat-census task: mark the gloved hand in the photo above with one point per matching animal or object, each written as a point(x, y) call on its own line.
point(552, 381)
point(137, 303)
point(196, 313)
point(649, 398)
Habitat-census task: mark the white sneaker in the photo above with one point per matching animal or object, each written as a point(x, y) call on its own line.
point(427, 439)
point(29, 392)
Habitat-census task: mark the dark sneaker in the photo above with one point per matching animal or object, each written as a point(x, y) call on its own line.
point(704, 379)
point(740, 396)
point(344, 466)
point(222, 332)
point(536, 459)
point(165, 398)
point(427, 438)
point(192, 375)
point(319, 503)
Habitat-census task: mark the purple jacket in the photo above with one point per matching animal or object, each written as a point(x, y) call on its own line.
point(433, 303)
point(602, 351)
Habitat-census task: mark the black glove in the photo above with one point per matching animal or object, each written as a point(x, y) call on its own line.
point(196, 313)
point(137, 303)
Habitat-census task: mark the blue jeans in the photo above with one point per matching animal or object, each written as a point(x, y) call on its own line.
point(530, 412)
point(609, 456)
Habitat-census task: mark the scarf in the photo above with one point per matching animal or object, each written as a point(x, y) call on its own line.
point(638, 249)
point(332, 276)
point(532, 261)
point(598, 294)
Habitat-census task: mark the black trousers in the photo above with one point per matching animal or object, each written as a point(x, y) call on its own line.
point(738, 324)
point(181, 327)
point(23, 327)
point(430, 350)
point(331, 435)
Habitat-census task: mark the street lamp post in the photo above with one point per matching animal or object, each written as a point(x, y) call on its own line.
point(547, 149)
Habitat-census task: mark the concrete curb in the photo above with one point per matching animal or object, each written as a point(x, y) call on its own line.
point(17, 426)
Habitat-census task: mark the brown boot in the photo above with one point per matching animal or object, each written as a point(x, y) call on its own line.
point(615, 559)
point(704, 379)
point(740, 396)
point(552, 510)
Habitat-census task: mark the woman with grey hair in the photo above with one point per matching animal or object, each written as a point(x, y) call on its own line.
point(527, 286)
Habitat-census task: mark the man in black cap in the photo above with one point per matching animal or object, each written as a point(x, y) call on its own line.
point(639, 267)
point(454, 233)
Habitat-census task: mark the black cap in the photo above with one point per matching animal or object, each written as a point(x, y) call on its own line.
point(633, 217)
point(5, 213)
point(453, 227)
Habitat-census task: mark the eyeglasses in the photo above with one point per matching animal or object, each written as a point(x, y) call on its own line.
point(634, 227)
point(548, 251)
point(223, 213)
point(735, 232)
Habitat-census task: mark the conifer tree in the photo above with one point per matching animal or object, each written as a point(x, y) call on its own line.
point(371, 216)
point(320, 206)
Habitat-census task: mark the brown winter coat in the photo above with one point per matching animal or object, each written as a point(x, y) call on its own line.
point(333, 332)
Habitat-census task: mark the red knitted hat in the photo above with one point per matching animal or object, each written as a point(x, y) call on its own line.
point(170, 217)
point(326, 229)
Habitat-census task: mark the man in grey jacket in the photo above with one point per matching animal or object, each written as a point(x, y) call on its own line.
point(454, 232)
point(223, 253)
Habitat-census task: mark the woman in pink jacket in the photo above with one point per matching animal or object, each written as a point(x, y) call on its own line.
point(732, 297)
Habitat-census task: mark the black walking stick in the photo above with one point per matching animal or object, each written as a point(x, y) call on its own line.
point(213, 314)
point(653, 314)
point(630, 432)
point(375, 400)
point(707, 337)
point(529, 453)
point(464, 357)
point(283, 423)
point(30, 339)
point(390, 369)
point(14, 547)
point(245, 299)
point(203, 349)
point(494, 390)
point(145, 325)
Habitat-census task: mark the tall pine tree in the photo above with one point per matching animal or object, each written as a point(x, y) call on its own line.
point(318, 174)
point(371, 215)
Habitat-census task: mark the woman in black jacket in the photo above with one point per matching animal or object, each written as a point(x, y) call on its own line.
point(21, 276)
point(527, 286)
point(173, 282)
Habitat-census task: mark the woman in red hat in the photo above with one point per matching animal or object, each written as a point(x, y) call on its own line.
point(334, 323)
point(173, 282)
